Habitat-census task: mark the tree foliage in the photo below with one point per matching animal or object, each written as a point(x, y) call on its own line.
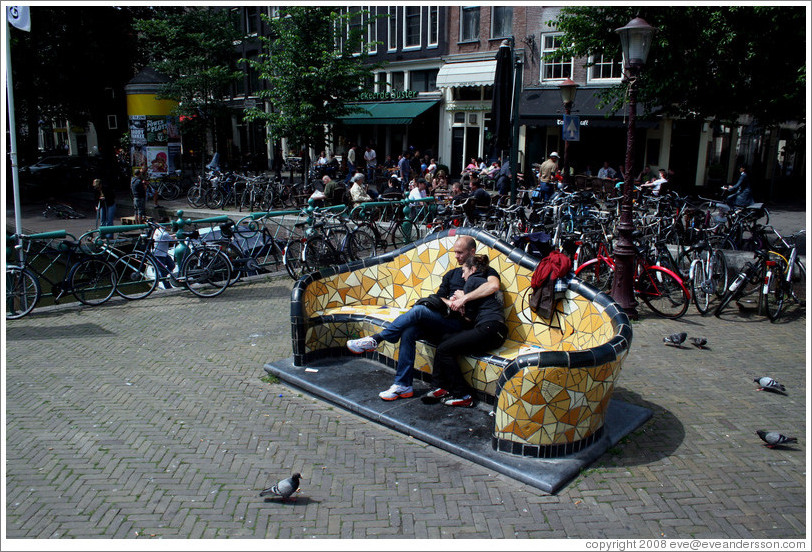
point(705, 61)
point(63, 66)
point(194, 47)
point(310, 82)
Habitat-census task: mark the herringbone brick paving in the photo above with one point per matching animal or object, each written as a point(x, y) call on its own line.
point(151, 419)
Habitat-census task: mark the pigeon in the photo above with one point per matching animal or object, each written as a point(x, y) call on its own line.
point(699, 342)
point(284, 488)
point(675, 339)
point(769, 384)
point(773, 438)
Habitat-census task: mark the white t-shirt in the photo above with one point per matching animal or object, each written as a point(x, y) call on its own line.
point(351, 156)
point(655, 186)
point(417, 193)
point(370, 158)
point(163, 240)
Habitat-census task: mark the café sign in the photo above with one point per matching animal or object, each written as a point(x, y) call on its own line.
point(393, 95)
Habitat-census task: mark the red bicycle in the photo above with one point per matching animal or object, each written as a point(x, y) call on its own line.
point(662, 290)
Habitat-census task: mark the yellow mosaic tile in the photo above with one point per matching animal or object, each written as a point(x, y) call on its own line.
point(538, 405)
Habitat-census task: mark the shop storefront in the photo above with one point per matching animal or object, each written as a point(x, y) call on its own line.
point(391, 124)
point(467, 88)
point(602, 135)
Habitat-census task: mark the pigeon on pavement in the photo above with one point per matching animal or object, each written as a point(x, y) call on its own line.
point(699, 342)
point(676, 339)
point(769, 384)
point(284, 488)
point(773, 438)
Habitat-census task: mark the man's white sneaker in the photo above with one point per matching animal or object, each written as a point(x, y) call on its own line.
point(362, 345)
point(396, 392)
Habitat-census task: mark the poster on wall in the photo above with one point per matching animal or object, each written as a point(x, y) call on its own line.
point(138, 154)
point(156, 130)
point(138, 130)
point(158, 161)
point(174, 157)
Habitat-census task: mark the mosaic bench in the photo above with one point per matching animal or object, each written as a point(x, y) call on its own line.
point(551, 381)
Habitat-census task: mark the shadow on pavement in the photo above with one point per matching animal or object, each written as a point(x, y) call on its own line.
point(75, 331)
point(658, 438)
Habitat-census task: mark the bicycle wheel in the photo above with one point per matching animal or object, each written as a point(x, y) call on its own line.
point(214, 198)
point(238, 260)
point(93, 281)
point(597, 273)
point(293, 260)
point(585, 252)
point(664, 293)
point(777, 290)
point(401, 236)
point(196, 197)
point(703, 287)
point(266, 201)
point(206, 272)
point(22, 292)
point(317, 253)
point(340, 240)
point(285, 197)
point(362, 244)
point(136, 276)
point(719, 273)
point(169, 191)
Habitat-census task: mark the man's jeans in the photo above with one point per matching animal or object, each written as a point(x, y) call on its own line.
point(419, 321)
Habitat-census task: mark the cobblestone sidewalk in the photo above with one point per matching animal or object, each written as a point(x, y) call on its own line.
point(151, 419)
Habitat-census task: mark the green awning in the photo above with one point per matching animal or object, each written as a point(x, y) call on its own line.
point(387, 113)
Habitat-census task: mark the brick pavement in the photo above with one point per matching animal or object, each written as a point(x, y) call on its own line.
point(150, 419)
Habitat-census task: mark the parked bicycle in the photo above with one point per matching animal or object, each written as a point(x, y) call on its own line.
point(62, 211)
point(787, 280)
point(659, 288)
point(204, 269)
point(61, 261)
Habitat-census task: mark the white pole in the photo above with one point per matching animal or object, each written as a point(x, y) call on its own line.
point(18, 228)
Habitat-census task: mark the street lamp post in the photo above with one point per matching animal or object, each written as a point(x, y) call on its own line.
point(568, 88)
point(635, 39)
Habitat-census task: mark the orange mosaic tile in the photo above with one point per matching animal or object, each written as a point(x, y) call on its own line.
point(536, 405)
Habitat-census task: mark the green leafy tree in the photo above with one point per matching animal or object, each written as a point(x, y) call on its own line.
point(194, 47)
point(311, 71)
point(64, 65)
point(705, 61)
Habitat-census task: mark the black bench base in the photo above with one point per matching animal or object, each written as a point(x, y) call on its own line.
point(354, 383)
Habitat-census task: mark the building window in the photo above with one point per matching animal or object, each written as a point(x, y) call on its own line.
point(434, 25)
point(372, 30)
point(340, 32)
point(501, 21)
point(459, 117)
point(423, 81)
point(605, 68)
point(397, 80)
point(254, 82)
point(252, 20)
point(112, 122)
point(392, 22)
point(469, 24)
point(556, 68)
point(380, 82)
point(355, 36)
point(411, 27)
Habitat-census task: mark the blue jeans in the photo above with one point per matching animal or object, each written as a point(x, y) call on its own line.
point(419, 321)
point(350, 171)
